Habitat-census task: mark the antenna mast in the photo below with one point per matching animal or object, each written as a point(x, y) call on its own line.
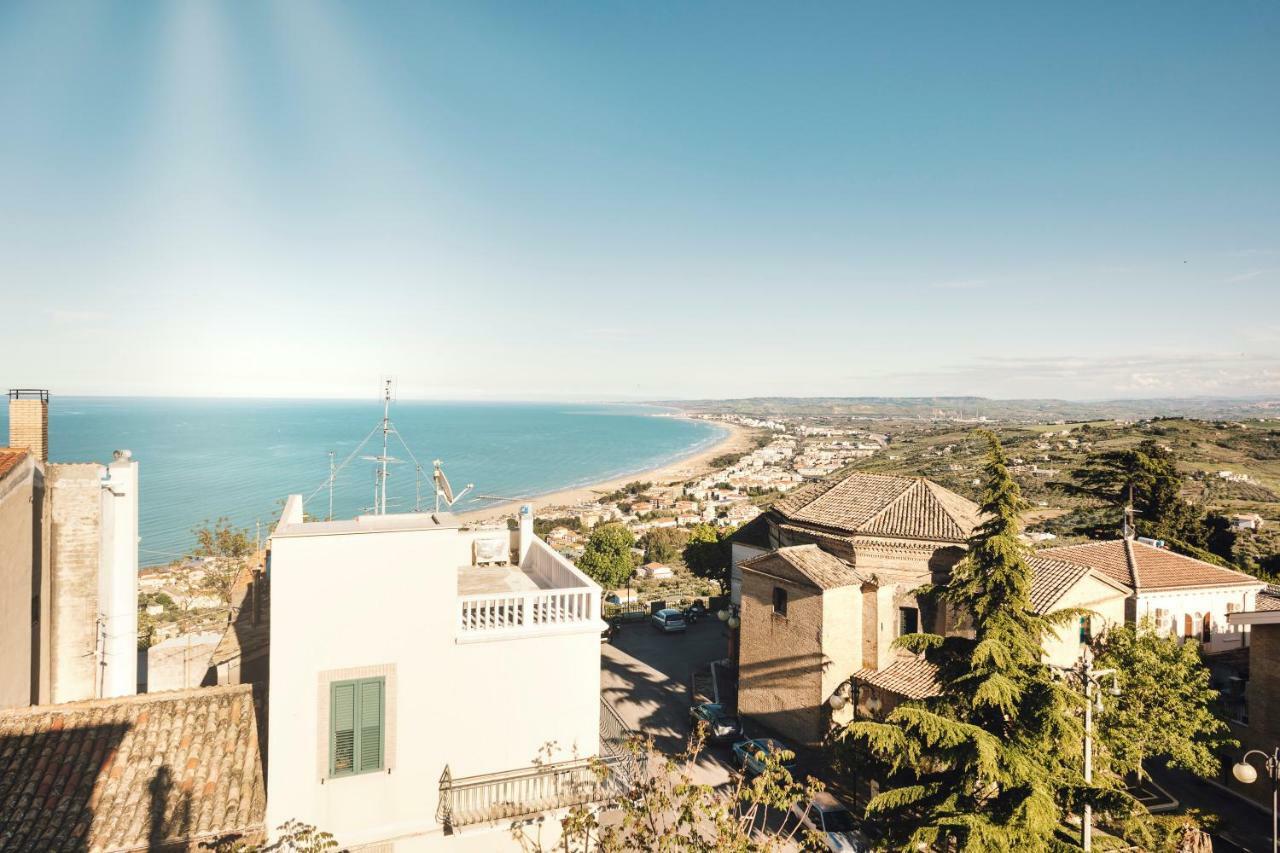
point(332, 473)
point(382, 460)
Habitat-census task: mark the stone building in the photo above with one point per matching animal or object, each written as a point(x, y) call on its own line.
point(826, 582)
point(68, 568)
point(1256, 722)
point(838, 589)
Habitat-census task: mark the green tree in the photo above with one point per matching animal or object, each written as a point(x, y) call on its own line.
point(226, 552)
point(607, 558)
point(663, 544)
point(1148, 475)
point(993, 761)
point(1165, 707)
point(708, 554)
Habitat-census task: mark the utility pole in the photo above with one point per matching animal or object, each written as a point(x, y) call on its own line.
point(386, 431)
point(332, 474)
point(1090, 681)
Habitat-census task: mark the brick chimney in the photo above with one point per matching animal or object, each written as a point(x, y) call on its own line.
point(29, 421)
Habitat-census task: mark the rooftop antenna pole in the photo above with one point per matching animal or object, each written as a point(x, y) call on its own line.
point(417, 488)
point(332, 474)
point(1128, 513)
point(386, 431)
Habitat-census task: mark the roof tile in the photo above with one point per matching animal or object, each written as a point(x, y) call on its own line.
point(1145, 567)
point(129, 773)
point(884, 505)
point(805, 563)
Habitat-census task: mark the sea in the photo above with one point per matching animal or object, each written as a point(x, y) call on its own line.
point(205, 459)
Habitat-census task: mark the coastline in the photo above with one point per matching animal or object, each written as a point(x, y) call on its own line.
point(737, 439)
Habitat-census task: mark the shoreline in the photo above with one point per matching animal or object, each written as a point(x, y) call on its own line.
point(737, 439)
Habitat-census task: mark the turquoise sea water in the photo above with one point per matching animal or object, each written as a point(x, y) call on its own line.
point(203, 458)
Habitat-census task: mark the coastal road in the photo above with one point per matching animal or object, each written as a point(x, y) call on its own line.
point(645, 676)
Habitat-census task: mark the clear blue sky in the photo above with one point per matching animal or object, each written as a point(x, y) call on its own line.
point(639, 200)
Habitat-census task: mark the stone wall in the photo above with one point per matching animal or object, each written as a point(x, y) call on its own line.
point(75, 506)
point(21, 494)
point(781, 662)
point(1263, 700)
point(29, 426)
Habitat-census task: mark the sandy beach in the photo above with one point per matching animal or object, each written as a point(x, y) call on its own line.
point(738, 440)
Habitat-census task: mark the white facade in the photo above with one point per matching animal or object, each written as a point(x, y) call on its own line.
point(488, 668)
point(118, 577)
point(1196, 611)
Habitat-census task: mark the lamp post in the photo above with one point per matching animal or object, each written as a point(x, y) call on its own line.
point(1090, 681)
point(1247, 774)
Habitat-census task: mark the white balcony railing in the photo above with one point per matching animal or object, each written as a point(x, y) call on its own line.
point(567, 598)
point(514, 610)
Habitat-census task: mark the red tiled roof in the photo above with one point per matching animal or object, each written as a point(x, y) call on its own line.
point(805, 564)
point(1145, 567)
point(879, 504)
point(912, 677)
point(9, 458)
point(131, 773)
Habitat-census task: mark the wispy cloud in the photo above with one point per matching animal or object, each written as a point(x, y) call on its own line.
point(1097, 377)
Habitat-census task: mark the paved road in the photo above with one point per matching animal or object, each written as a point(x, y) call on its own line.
point(646, 676)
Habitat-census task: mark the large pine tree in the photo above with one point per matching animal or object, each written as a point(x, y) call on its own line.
point(993, 761)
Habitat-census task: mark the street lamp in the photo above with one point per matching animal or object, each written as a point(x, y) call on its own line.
point(1247, 774)
point(1090, 680)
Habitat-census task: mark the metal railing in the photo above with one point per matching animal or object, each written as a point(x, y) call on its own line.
point(539, 788)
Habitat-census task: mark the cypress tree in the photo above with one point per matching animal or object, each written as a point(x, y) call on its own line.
point(993, 761)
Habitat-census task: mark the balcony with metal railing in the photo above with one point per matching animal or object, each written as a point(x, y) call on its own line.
point(543, 593)
point(537, 789)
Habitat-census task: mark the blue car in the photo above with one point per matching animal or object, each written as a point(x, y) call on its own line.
point(751, 754)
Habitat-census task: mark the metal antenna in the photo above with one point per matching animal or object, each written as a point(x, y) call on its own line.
point(386, 431)
point(332, 473)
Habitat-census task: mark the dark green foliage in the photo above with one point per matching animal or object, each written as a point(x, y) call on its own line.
point(543, 526)
point(608, 559)
point(708, 553)
point(993, 762)
point(663, 544)
point(1148, 476)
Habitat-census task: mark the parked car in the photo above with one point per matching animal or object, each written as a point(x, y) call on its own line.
point(722, 726)
point(832, 821)
point(610, 631)
point(751, 754)
point(695, 611)
point(668, 620)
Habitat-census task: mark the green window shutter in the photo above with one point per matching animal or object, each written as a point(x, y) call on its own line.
point(371, 727)
point(342, 728)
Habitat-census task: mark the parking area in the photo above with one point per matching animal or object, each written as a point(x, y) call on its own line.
point(646, 675)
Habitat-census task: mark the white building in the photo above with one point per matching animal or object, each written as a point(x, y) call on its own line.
point(1181, 596)
point(430, 682)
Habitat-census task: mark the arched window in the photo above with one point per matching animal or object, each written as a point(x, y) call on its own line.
point(1188, 626)
point(1208, 626)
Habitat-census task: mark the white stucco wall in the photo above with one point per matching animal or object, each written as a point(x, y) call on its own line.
point(1089, 593)
point(1178, 604)
point(387, 599)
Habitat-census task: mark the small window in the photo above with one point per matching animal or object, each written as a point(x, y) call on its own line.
point(908, 620)
point(356, 726)
point(779, 601)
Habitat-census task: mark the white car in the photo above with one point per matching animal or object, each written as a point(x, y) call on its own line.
point(828, 817)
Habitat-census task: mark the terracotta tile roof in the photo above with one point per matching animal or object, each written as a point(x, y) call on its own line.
point(805, 564)
point(909, 676)
point(914, 508)
point(1268, 599)
point(1051, 579)
point(131, 773)
point(9, 458)
point(1145, 567)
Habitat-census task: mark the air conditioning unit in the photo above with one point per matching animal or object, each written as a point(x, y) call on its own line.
point(492, 550)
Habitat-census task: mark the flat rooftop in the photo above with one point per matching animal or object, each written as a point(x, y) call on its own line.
point(370, 524)
point(495, 580)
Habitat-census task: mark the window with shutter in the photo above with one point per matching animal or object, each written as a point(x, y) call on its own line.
point(356, 726)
